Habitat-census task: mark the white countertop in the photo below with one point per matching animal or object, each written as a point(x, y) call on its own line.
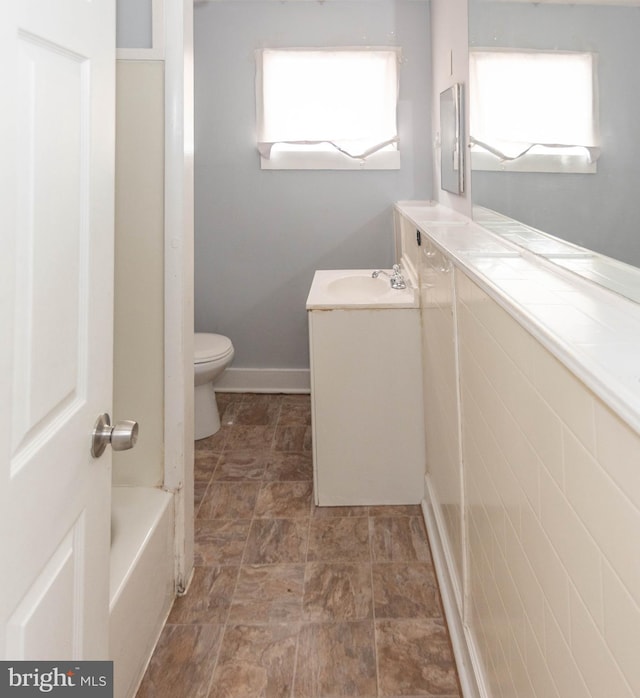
point(593, 331)
point(605, 271)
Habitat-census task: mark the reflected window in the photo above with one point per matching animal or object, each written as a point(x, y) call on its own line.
point(329, 108)
point(533, 111)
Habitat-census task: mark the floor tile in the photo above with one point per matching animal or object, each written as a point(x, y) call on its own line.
point(295, 414)
point(199, 490)
point(204, 465)
point(208, 599)
point(228, 406)
point(399, 539)
point(242, 438)
point(212, 444)
point(259, 398)
point(405, 590)
point(223, 399)
point(395, 510)
point(276, 540)
point(284, 500)
point(229, 500)
point(268, 594)
point(258, 413)
point(300, 398)
point(292, 438)
point(337, 591)
point(289, 467)
point(415, 658)
point(220, 542)
point(290, 600)
point(256, 660)
point(182, 662)
point(336, 659)
point(339, 512)
point(339, 540)
point(241, 465)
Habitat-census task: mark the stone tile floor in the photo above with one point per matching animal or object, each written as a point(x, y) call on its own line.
point(290, 600)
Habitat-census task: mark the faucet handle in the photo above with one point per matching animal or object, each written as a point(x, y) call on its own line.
point(396, 268)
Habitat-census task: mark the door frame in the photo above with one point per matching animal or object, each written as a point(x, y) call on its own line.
point(179, 278)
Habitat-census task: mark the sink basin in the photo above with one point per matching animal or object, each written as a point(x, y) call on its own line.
point(356, 288)
point(359, 287)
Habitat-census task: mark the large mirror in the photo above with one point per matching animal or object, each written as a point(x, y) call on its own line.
point(597, 204)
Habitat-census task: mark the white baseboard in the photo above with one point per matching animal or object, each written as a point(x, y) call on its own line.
point(264, 380)
point(471, 676)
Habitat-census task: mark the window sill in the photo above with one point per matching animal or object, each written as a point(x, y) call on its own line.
point(330, 160)
point(533, 162)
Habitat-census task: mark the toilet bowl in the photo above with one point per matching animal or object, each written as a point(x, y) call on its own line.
point(212, 354)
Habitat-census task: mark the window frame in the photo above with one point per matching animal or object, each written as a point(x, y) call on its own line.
point(569, 159)
point(325, 155)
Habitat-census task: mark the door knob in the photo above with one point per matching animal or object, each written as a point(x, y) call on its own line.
point(122, 435)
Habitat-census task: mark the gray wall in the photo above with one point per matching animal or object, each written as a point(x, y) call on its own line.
point(133, 24)
point(597, 211)
point(261, 234)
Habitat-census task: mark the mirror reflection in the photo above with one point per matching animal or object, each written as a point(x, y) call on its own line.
point(577, 181)
point(451, 154)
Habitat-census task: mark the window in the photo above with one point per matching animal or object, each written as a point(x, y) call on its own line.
point(332, 108)
point(533, 111)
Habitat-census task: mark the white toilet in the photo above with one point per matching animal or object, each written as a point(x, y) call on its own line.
point(212, 354)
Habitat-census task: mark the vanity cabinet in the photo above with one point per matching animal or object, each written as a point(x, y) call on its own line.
point(367, 411)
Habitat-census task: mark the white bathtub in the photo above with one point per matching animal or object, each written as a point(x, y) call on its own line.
point(142, 586)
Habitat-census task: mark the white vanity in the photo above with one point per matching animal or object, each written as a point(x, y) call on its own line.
point(366, 390)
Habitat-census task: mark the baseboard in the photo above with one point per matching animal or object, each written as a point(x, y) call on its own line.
point(469, 672)
point(264, 380)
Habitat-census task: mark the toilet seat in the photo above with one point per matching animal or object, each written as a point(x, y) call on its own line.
point(210, 347)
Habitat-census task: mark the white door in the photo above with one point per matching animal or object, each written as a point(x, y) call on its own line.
point(56, 299)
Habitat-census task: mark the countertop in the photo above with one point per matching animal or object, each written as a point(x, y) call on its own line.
point(593, 331)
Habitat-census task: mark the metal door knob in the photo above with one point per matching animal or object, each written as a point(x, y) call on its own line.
point(122, 435)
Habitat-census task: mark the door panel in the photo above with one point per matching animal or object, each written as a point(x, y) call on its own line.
point(46, 623)
point(51, 303)
point(57, 62)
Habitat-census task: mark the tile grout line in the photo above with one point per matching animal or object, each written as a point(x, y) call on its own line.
point(304, 586)
point(215, 663)
point(226, 622)
point(373, 603)
point(275, 428)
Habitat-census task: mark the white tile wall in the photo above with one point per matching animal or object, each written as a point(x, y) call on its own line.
point(617, 450)
point(552, 497)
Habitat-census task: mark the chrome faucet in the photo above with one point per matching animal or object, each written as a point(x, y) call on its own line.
point(396, 279)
